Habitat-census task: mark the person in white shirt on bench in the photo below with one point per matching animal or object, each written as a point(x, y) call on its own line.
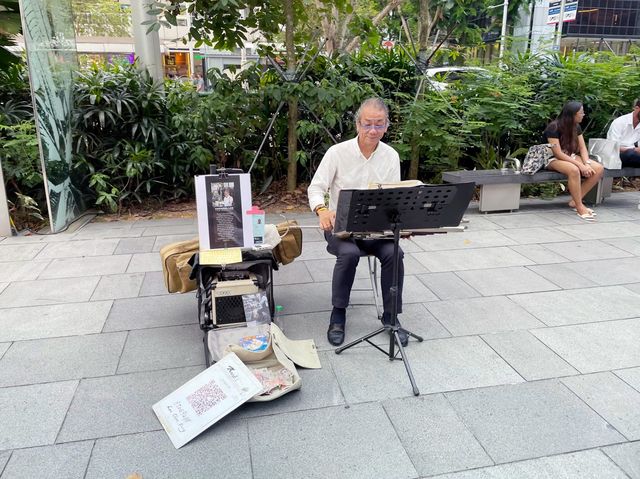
point(626, 130)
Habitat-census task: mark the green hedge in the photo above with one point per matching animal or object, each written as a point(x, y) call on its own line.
point(135, 140)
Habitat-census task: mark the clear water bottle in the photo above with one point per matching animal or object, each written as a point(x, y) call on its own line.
point(277, 318)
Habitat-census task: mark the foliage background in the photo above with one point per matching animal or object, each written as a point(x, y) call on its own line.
point(138, 141)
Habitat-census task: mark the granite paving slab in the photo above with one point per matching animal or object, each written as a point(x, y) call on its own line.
point(118, 286)
point(143, 262)
point(630, 245)
point(631, 376)
point(3, 349)
point(523, 220)
point(557, 308)
point(32, 414)
point(580, 465)
point(563, 276)
point(308, 297)
point(463, 240)
point(60, 359)
point(586, 250)
point(74, 249)
point(162, 348)
point(529, 420)
point(328, 443)
point(360, 321)
point(22, 271)
point(635, 287)
point(613, 399)
point(499, 281)
point(530, 235)
point(168, 239)
point(20, 252)
point(365, 374)
point(4, 458)
point(609, 271)
point(538, 254)
point(411, 266)
point(602, 230)
point(191, 229)
point(314, 250)
point(152, 312)
point(292, 273)
point(481, 315)
point(479, 223)
point(135, 245)
point(159, 222)
point(108, 232)
point(596, 347)
point(3, 286)
point(528, 356)
point(433, 435)
point(68, 461)
point(93, 266)
point(152, 455)
point(48, 291)
point(52, 321)
point(121, 404)
point(319, 389)
point(153, 284)
point(448, 286)
point(477, 258)
point(627, 456)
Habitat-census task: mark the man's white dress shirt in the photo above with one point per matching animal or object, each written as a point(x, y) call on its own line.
point(622, 130)
point(345, 167)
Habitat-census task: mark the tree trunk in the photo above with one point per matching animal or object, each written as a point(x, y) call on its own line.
point(414, 157)
point(375, 21)
point(292, 137)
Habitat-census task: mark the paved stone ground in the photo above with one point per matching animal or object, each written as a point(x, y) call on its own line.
point(530, 365)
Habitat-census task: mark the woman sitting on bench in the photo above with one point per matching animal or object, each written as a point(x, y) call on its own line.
point(571, 158)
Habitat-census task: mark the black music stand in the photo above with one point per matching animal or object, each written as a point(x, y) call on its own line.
point(388, 211)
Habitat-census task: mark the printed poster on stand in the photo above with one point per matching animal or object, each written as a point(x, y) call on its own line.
point(222, 204)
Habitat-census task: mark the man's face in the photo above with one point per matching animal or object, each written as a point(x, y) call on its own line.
point(636, 112)
point(371, 126)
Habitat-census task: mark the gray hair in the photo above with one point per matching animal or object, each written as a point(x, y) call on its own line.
point(375, 103)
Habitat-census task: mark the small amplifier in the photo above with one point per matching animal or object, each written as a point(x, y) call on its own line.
point(227, 308)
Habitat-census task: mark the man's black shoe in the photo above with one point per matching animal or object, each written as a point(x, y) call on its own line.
point(404, 336)
point(335, 334)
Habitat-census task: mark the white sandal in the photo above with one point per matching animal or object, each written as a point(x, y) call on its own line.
point(587, 216)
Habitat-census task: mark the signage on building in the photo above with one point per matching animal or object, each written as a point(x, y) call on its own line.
point(570, 12)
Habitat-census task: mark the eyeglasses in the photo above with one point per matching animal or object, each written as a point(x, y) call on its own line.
point(373, 127)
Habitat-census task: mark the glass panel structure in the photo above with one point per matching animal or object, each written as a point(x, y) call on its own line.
point(606, 19)
point(51, 55)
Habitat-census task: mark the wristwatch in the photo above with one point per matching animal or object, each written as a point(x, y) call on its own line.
point(319, 208)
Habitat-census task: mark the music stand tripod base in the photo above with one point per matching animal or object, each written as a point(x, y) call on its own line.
point(416, 208)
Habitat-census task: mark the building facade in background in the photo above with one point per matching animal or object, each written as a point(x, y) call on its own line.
point(600, 25)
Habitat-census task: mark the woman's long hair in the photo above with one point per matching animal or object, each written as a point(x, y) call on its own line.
point(566, 126)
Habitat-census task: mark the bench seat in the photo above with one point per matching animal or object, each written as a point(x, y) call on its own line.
point(500, 189)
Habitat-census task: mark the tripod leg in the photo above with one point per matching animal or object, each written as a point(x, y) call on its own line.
point(407, 366)
point(360, 340)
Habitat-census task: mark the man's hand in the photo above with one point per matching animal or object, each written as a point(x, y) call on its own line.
point(327, 219)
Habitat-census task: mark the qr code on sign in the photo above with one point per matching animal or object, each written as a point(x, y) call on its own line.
point(206, 397)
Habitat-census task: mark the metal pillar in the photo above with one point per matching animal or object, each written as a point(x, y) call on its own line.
point(147, 45)
point(558, 35)
point(5, 222)
point(503, 33)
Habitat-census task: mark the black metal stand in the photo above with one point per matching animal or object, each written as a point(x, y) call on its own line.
point(427, 209)
point(392, 328)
